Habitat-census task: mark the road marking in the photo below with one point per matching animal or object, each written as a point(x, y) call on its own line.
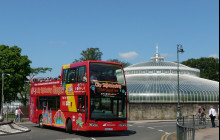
point(151, 128)
point(70, 139)
point(165, 136)
point(93, 138)
point(161, 130)
point(162, 126)
point(169, 135)
point(130, 125)
point(140, 126)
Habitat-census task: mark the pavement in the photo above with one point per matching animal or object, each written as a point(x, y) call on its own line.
point(7, 128)
point(202, 134)
point(207, 134)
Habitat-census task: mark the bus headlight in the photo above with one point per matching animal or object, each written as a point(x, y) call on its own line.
point(123, 124)
point(93, 124)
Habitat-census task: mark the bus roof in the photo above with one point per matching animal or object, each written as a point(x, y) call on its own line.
point(86, 62)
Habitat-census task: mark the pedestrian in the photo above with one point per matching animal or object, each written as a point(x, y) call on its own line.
point(16, 114)
point(201, 114)
point(19, 114)
point(212, 115)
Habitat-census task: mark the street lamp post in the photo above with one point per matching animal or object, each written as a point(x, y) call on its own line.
point(179, 49)
point(2, 99)
point(2, 102)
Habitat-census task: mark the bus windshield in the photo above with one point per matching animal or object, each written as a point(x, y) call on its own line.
point(107, 92)
point(103, 72)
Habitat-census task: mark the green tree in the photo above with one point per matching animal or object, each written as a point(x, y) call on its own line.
point(90, 54)
point(125, 64)
point(36, 71)
point(18, 66)
point(209, 67)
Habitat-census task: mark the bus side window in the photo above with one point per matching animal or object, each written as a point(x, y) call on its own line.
point(71, 76)
point(37, 104)
point(82, 75)
point(64, 80)
point(81, 103)
point(43, 102)
point(58, 103)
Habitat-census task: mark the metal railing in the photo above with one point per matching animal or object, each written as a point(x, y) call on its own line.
point(187, 125)
point(12, 117)
point(9, 112)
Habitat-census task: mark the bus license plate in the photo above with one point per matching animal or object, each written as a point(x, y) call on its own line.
point(108, 129)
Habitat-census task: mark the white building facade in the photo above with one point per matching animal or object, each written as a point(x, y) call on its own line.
point(155, 81)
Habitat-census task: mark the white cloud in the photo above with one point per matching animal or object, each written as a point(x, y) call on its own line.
point(214, 55)
point(129, 55)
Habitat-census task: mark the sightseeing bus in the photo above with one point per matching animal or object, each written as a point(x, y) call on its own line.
point(88, 96)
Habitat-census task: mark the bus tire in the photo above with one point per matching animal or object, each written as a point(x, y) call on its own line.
point(41, 122)
point(69, 126)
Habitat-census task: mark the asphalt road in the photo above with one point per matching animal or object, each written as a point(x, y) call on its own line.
point(136, 131)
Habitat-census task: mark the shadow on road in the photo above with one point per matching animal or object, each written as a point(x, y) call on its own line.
point(105, 134)
point(94, 133)
point(51, 128)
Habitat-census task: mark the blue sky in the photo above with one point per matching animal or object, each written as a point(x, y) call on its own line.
point(54, 32)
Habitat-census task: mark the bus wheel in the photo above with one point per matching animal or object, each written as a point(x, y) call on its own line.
point(69, 126)
point(41, 122)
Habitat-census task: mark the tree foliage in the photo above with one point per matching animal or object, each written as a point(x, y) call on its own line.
point(36, 71)
point(125, 64)
point(95, 54)
point(209, 67)
point(90, 54)
point(18, 66)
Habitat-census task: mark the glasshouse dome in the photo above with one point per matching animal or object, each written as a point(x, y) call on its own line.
point(156, 82)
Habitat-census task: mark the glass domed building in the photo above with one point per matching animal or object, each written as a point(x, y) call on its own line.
point(155, 81)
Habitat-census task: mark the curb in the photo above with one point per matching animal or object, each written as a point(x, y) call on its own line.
point(150, 121)
point(14, 130)
point(4, 123)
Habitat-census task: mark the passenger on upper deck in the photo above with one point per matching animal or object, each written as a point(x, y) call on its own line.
point(71, 77)
point(84, 77)
point(59, 77)
point(48, 79)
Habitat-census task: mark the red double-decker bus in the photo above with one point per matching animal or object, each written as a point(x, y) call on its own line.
point(89, 96)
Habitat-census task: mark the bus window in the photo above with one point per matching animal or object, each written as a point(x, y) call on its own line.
point(58, 103)
point(42, 103)
point(49, 102)
point(108, 108)
point(52, 103)
point(64, 77)
point(37, 103)
point(82, 75)
point(81, 103)
point(71, 76)
point(74, 75)
point(106, 72)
